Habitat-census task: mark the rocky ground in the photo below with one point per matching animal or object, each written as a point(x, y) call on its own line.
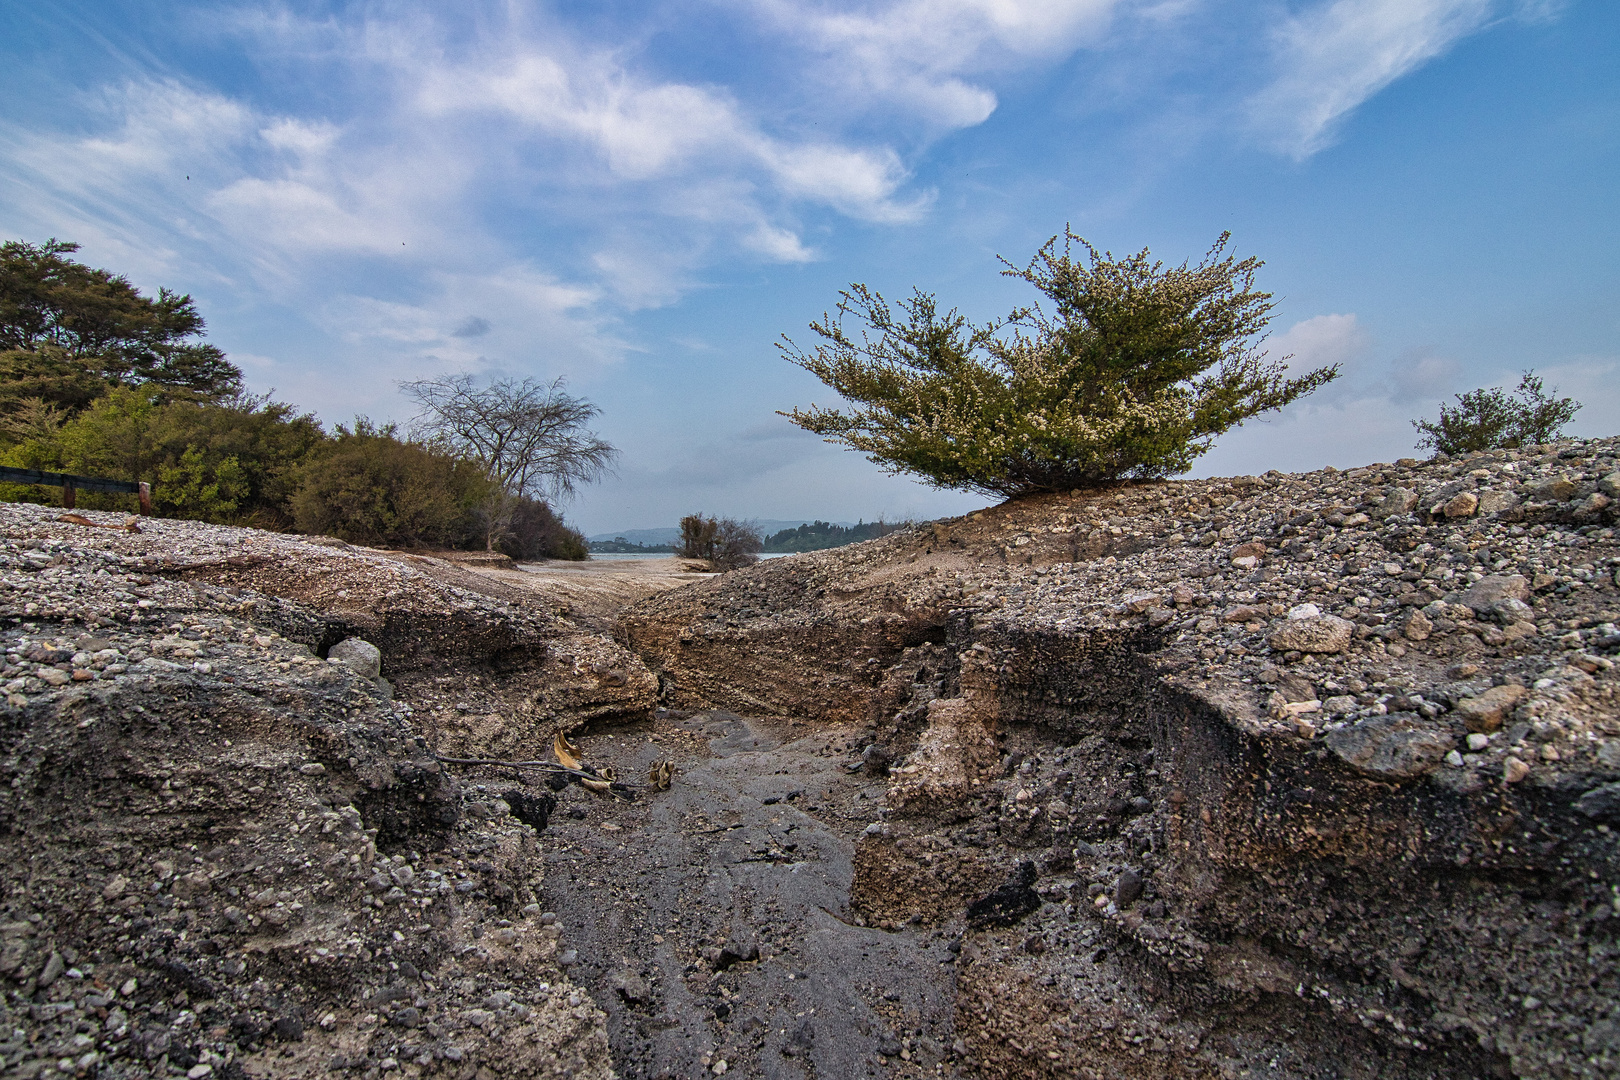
point(1300, 776)
point(230, 847)
point(1308, 775)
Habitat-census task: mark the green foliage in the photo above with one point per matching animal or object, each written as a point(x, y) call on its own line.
point(1133, 374)
point(368, 487)
point(90, 325)
point(236, 461)
point(1494, 420)
point(203, 490)
point(98, 379)
point(536, 532)
point(820, 535)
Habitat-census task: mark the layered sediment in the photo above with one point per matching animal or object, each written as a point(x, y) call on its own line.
point(1311, 770)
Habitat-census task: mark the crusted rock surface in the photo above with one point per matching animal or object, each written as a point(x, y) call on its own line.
point(1315, 771)
point(226, 855)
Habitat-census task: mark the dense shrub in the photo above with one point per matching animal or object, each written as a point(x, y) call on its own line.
point(532, 530)
point(368, 487)
point(231, 462)
point(1492, 420)
point(99, 379)
point(1134, 372)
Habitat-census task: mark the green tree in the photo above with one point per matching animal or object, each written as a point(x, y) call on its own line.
point(1491, 419)
point(65, 326)
point(1132, 374)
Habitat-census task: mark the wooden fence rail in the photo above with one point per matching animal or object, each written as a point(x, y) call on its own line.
point(71, 484)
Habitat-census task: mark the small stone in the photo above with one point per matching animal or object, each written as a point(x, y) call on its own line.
point(1494, 502)
point(1601, 803)
point(1314, 634)
point(197, 1072)
point(1509, 611)
point(1477, 741)
point(1454, 759)
point(1514, 770)
point(312, 768)
point(52, 970)
point(568, 958)
point(115, 887)
point(1486, 712)
point(1128, 888)
point(1418, 627)
point(1253, 551)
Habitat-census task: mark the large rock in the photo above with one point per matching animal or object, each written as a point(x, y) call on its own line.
point(1399, 746)
point(1487, 591)
point(1314, 634)
point(1398, 501)
point(1486, 712)
point(361, 655)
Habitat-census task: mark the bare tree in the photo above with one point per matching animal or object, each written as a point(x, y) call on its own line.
point(530, 436)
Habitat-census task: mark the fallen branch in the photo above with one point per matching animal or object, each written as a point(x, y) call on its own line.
point(80, 519)
point(615, 787)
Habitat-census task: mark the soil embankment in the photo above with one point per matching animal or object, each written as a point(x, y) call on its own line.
point(1311, 773)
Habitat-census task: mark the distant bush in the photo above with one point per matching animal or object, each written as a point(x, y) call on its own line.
point(697, 536)
point(532, 530)
point(369, 487)
point(1490, 419)
point(726, 543)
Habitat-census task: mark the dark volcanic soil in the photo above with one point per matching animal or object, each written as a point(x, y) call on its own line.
point(712, 921)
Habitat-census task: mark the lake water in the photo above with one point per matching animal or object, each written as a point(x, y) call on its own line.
point(611, 556)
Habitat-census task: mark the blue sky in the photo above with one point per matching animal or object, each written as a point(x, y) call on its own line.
point(640, 197)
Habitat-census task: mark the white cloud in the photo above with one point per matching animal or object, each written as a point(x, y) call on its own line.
point(648, 131)
point(1335, 55)
point(1321, 341)
point(920, 54)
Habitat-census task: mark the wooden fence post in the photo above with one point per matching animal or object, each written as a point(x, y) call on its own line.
point(69, 495)
point(145, 495)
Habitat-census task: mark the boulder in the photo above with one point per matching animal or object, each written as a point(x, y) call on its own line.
point(1399, 746)
point(1398, 501)
point(1486, 712)
point(364, 657)
point(1488, 591)
point(1461, 505)
point(1314, 634)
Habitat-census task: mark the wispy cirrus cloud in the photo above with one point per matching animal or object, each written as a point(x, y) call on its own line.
point(1331, 57)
